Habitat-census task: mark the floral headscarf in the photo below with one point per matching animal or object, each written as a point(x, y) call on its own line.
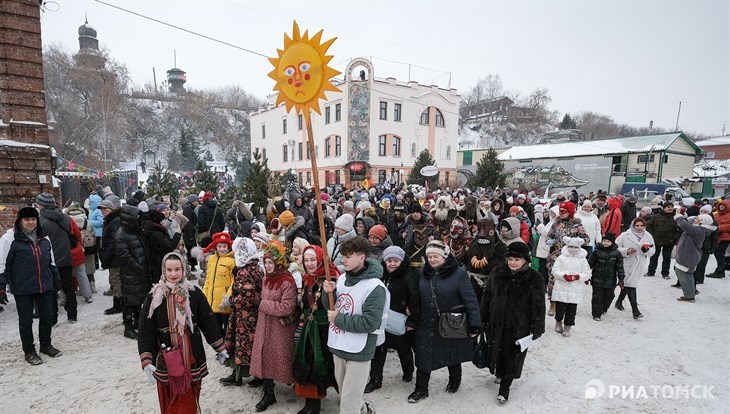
point(244, 250)
point(177, 294)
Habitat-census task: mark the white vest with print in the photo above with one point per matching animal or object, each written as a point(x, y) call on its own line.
point(349, 302)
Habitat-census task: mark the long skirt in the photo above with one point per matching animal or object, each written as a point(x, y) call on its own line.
point(179, 404)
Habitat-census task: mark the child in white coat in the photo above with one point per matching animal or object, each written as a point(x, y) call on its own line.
point(570, 270)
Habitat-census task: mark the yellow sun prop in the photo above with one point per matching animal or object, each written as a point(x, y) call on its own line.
point(301, 72)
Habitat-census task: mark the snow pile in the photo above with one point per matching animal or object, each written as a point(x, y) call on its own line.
point(677, 346)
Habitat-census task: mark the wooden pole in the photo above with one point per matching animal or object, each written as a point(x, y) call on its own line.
point(320, 214)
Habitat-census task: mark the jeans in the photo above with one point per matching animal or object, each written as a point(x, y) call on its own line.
point(687, 280)
point(71, 306)
point(666, 252)
point(601, 300)
point(720, 257)
point(423, 377)
point(351, 377)
point(631, 293)
point(25, 305)
point(567, 311)
point(701, 268)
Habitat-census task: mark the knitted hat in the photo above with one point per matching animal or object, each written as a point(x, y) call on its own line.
point(514, 209)
point(162, 207)
point(364, 205)
point(588, 203)
point(207, 196)
point(667, 204)
point(378, 231)
point(192, 198)
point(399, 207)
point(45, 200)
point(646, 209)
point(131, 201)
point(261, 237)
point(143, 207)
point(705, 221)
point(399, 197)
point(569, 207)
point(519, 250)
point(707, 209)
point(609, 236)
point(287, 218)
point(345, 222)
point(300, 243)
point(106, 204)
point(394, 252)
point(27, 212)
point(438, 247)
point(349, 205)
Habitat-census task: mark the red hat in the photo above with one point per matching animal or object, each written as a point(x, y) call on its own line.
point(569, 207)
point(221, 237)
point(207, 196)
point(378, 231)
point(324, 196)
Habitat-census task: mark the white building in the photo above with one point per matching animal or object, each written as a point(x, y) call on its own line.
point(374, 128)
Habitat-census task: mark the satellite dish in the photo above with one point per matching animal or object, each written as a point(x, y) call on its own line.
point(429, 171)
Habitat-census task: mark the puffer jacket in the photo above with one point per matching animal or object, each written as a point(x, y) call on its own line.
point(132, 256)
point(57, 226)
point(607, 266)
point(159, 243)
point(592, 226)
point(108, 255)
point(210, 217)
point(96, 218)
point(663, 229)
point(723, 221)
point(218, 280)
point(570, 292)
point(25, 266)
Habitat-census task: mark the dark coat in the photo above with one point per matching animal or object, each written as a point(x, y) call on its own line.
point(312, 229)
point(158, 244)
point(396, 229)
point(29, 268)
point(628, 214)
point(190, 230)
point(112, 222)
point(403, 287)
point(607, 266)
point(207, 220)
point(663, 229)
point(155, 330)
point(513, 307)
point(452, 288)
point(57, 226)
point(712, 239)
point(132, 255)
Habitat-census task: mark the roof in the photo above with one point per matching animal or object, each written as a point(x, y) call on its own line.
point(724, 140)
point(640, 144)
point(711, 169)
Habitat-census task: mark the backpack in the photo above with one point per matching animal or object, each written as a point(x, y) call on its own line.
point(88, 237)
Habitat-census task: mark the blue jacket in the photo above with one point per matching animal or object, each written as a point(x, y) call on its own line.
point(27, 267)
point(96, 218)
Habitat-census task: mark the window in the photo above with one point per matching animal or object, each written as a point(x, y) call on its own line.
point(413, 150)
point(383, 110)
point(285, 153)
point(300, 151)
point(309, 176)
point(327, 115)
point(439, 118)
point(446, 178)
point(467, 158)
point(327, 143)
point(396, 112)
point(263, 131)
point(645, 157)
point(448, 152)
point(337, 176)
point(424, 117)
point(396, 146)
point(306, 149)
point(283, 126)
point(300, 179)
point(338, 146)
point(710, 154)
point(338, 112)
point(381, 176)
point(300, 122)
point(263, 154)
point(381, 147)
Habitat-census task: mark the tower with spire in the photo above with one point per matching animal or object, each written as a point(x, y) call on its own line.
point(89, 53)
point(176, 78)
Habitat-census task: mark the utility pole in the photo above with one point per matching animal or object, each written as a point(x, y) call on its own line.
point(676, 126)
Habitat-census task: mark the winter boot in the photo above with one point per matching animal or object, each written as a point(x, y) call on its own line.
point(255, 382)
point(231, 380)
point(135, 320)
point(566, 331)
point(503, 395)
point(373, 385)
point(109, 292)
point(129, 331)
point(453, 385)
point(551, 311)
point(311, 406)
point(559, 326)
point(267, 399)
point(116, 307)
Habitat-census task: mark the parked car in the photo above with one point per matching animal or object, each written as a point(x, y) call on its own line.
point(645, 192)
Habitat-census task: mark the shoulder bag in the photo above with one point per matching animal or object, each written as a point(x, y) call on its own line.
point(452, 324)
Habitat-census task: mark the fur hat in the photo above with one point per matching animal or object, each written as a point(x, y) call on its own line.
point(287, 218)
point(573, 241)
point(394, 252)
point(519, 250)
point(438, 247)
point(220, 237)
point(416, 208)
point(378, 231)
point(345, 222)
point(45, 200)
point(27, 212)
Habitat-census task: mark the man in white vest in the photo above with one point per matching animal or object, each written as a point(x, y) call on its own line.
point(357, 323)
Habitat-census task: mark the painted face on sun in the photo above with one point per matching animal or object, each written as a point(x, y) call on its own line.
point(301, 73)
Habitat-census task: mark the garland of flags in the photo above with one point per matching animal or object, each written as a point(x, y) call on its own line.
point(79, 171)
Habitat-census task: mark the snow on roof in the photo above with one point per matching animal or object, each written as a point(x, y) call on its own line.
point(646, 143)
point(711, 169)
point(724, 140)
point(10, 143)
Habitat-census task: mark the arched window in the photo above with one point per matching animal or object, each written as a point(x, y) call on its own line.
point(439, 118)
point(425, 115)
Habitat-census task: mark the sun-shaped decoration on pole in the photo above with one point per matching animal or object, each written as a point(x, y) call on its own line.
point(301, 72)
point(302, 76)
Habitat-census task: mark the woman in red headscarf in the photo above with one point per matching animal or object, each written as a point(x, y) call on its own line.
point(314, 369)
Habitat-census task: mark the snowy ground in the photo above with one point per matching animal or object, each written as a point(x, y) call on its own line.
point(675, 345)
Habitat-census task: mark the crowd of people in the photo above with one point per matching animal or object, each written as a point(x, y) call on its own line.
point(422, 273)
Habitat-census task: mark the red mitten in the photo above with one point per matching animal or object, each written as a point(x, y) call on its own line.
point(645, 247)
point(576, 277)
point(568, 277)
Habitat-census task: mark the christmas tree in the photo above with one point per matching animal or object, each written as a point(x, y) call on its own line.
point(415, 177)
point(489, 173)
point(161, 182)
point(255, 187)
point(204, 179)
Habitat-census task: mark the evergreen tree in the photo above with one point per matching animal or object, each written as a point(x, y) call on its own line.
point(174, 160)
point(415, 177)
point(204, 179)
point(161, 182)
point(256, 184)
point(189, 149)
point(489, 173)
point(568, 122)
point(226, 198)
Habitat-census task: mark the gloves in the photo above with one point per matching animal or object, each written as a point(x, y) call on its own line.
point(645, 248)
point(222, 357)
point(621, 284)
point(568, 277)
point(225, 302)
point(536, 336)
point(149, 369)
point(3, 297)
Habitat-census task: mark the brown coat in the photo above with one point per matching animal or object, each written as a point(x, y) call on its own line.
point(273, 345)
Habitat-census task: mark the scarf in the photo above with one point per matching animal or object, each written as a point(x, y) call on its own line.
point(244, 250)
point(178, 298)
point(638, 234)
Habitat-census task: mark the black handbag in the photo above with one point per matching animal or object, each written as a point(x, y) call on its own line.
point(452, 324)
point(480, 352)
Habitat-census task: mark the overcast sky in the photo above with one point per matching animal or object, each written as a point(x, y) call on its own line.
point(632, 60)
